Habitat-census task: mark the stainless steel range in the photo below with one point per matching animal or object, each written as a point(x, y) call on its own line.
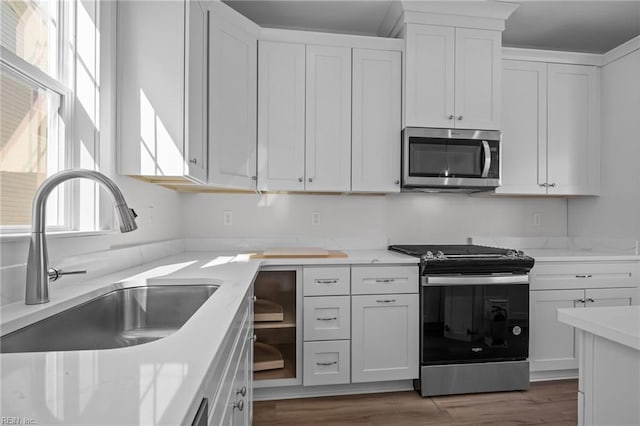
point(474, 318)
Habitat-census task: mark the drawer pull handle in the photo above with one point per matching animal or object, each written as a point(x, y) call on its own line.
point(327, 363)
point(386, 280)
point(239, 405)
point(580, 300)
point(590, 300)
point(242, 392)
point(584, 276)
point(386, 300)
point(327, 281)
point(327, 319)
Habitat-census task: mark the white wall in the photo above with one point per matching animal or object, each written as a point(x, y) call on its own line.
point(420, 218)
point(616, 213)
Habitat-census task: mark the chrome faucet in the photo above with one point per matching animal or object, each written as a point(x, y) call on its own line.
point(38, 271)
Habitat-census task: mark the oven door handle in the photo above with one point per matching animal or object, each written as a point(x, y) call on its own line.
point(487, 159)
point(447, 280)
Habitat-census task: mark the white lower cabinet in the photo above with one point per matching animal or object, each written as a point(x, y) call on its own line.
point(326, 363)
point(384, 337)
point(230, 387)
point(553, 345)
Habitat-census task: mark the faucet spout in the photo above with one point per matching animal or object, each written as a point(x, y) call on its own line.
point(37, 286)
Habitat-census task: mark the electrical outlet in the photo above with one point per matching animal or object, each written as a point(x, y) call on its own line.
point(537, 219)
point(315, 218)
point(227, 218)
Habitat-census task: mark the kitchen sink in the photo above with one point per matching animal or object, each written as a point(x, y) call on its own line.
point(120, 318)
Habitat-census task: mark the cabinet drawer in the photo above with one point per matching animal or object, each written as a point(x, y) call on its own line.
point(327, 318)
point(326, 363)
point(332, 281)
point(384, 279)
point(575, 275)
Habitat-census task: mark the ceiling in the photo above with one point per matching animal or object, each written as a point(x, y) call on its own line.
point(581, 26)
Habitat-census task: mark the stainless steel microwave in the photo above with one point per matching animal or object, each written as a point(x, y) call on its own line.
point(450, 160)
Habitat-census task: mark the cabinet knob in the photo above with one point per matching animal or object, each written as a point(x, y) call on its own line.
point(451, 117)
point(543, 185)
point(254, 177)
point(254, 298)
point(310, 179)
point(460, 117)
point(253, 338)
point(242, 391)
point(300, 179)
point(194, 161)
point(580, 300)
point(397, 182)
point(552, 185)
point(238, 405)
point(584, 276)
point(590, 300)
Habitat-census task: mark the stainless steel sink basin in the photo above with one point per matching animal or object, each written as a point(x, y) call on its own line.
point(125, 317)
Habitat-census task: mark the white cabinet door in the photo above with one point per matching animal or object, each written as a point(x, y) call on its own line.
point(328, 119)
point(552, 345)
point(281, 116)
point(429, 76)
point(233, 99)
point(384, 338)
point(573, 130)
point(524, 128)
point(477, 78)
point(241, 414)
point(151, 88)
point(611, 297)
point(376, 121)
point(196, 58)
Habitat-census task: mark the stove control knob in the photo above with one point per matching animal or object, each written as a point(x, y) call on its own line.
point(521, 254)
point(440, 255)
point(428, 255)
point(516, 330)
point(512, 254)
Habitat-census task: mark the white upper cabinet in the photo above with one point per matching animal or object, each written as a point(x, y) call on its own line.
point(376, 116)
point(429, 71)
point(573, 130)
point(281, 116)
point(328, 119)
point(452, 77)
point(233, 99)
point(478, 66)
point(524, 128)
point(550, 129)
point(161, 90)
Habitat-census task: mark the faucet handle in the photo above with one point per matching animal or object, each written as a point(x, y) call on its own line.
point(55, 273)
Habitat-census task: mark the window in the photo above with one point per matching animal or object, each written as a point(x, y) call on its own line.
point(35, 107)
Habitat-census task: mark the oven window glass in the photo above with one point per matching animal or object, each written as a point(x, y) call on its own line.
point(474, 323)
point(431, 157)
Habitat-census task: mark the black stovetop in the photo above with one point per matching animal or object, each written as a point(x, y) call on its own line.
point(467, 259)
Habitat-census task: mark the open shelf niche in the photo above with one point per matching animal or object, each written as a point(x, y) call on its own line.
point(275, 325)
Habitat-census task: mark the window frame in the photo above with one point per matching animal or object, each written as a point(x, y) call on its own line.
point(64, 86)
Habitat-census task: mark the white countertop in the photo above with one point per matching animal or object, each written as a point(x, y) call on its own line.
point(153, 383)
point(620, 324)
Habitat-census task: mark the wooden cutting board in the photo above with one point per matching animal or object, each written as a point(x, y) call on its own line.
point(308, 253)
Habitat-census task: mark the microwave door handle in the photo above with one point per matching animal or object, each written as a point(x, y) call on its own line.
point(487, 159)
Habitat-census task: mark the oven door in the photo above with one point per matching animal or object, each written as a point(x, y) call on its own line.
point(467, 319)
point(442, 158)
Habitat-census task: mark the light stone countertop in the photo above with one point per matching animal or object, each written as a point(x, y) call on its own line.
point(620, 324)
point(153, 383)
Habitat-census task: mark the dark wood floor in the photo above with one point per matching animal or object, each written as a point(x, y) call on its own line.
point(548, 403)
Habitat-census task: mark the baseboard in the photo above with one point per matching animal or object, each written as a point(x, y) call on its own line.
point(541, 376)
point(291, 392)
